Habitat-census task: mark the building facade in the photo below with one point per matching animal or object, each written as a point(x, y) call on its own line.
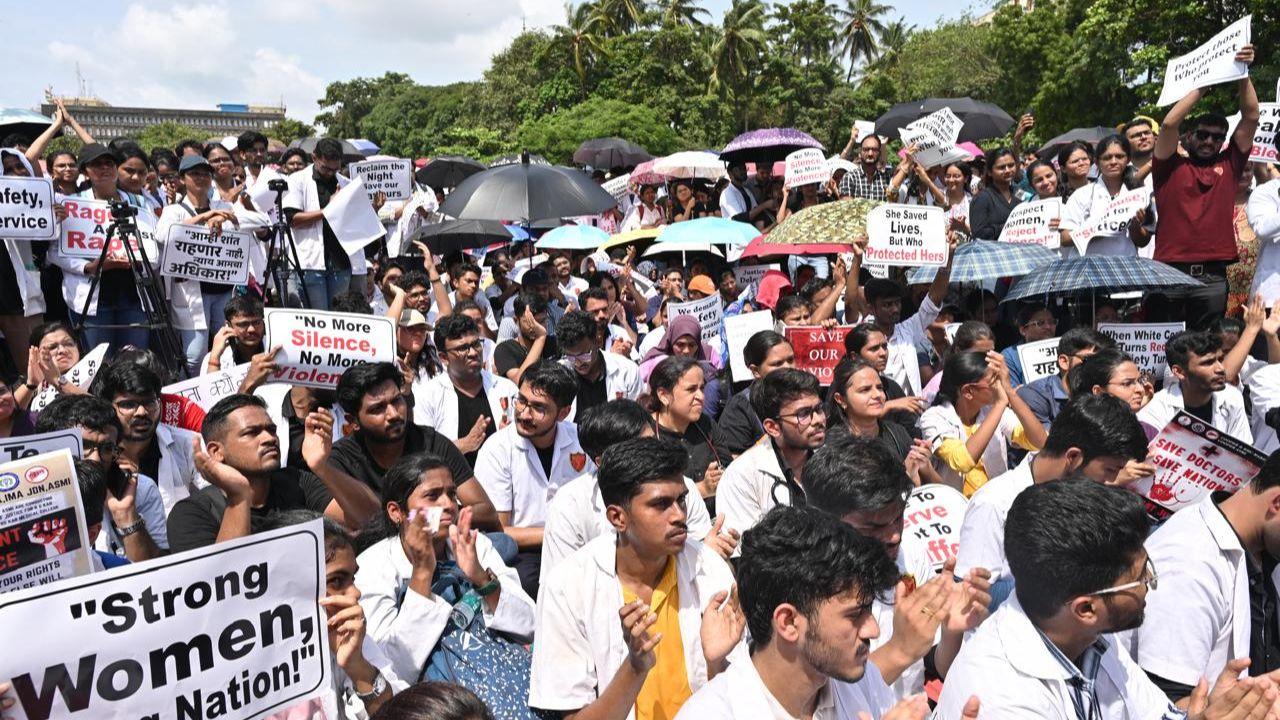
point(106, 121)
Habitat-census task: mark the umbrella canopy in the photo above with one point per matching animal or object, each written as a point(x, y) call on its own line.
point(516, 160)
point(643, 174)
point(1100, 272)
point(447, 171)
point(610, 152)
point(767, 145)
point(689, 164)
point(572, 237)
point(979, 260)
point(760, 248)
point(526, 192)
point(711, 230)
point(366, 147)
point(27, 123)
point(1049, 149)
point(456, 235)
point(350, 153)
point(631, 236)
point(842, 221)
point(981, 119)
point(659, 248)
point(275, 147)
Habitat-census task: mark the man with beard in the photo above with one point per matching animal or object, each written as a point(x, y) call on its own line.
point(1141, 134)
point(600, 376)
point(1196, 196)
point(241, 338)
point(807, 583)
point(1202, 390)
point(241, 458)
point(1076, 549)
point(789, 405)
point(370, 397)
point(614, 337)
point(679, 613)
point(523, 465)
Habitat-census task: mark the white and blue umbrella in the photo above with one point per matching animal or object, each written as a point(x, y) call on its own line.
point(573, 237)
point(979, 260)
point(366, 147)
point(709, 230)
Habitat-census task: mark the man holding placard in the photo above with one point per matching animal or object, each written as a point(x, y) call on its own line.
point(1195, 359)
point(325, 265)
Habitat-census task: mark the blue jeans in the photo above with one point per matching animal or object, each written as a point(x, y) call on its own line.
point(214, 303)
point(194, 346)
point(320, 286)
point(117, 338)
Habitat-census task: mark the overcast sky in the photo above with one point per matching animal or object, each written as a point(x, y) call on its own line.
point(197, 54)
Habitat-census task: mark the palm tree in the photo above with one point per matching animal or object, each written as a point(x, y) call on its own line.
point(893, 39)
point(682, 12)
point(619, 17)
point(737, 49)
point(861, 30)
point(578, 35)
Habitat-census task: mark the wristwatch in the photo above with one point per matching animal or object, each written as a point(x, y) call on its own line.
point(131, 529)
point(379, 687)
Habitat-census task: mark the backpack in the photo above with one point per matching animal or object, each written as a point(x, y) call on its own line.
point(484, 661)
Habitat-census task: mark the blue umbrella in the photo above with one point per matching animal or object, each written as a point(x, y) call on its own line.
point(1100, 272)
point(573, 237)
point(979, 260)
point(709, 230)
point(517, 233)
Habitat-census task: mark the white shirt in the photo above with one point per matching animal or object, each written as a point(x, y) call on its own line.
point(177, 477)
point(1086, 206)
point(902, 366)
point(572, 287)
point(309, 239)
point(185, 297)
point(408, 625)
point(734, 201)
point(941, 422)
point(1264, 390)
point(1263, 211)
point(435, 403)
point(576, 516)
point(580, 645)
point(621, 380)
point(1228, 411)
point(641, 216)
point(752, 485)
point(24, 264)
point(350, 706)
point(511, 474)
point(982, 532)
point(1008, 666)
point(75, 283)
point(738, 693)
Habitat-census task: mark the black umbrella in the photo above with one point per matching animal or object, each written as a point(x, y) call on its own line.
point(1091, 135)
point(525, 193)
point(982, 120)
point(458, 235)
point(610, 152)
point(515, 160)
point(446, 171)
point(350, 153)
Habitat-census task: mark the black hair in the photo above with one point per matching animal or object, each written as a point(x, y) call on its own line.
point(328, 149)
point(970, 333)
point(92, 479)
point(878, 289)
point(975, 300)
point(1083, 338)
point(1135, 123)
point(552, 379)
point(434, 700)
point(848, 366)
point(412, 278)
point(400, 481)
point(963, 167)
point(53, 155)
point(246, 305)
point(209, 149)
point(1268, 475)
point(42, 330)
point(1099, 426)
point(359, 380)
point(1226, 323)
point(771, 392)
point(787, 303)
point(858, 337)
point(128, 151)
point(249, 138)
point(163, 156)
point(958, 370)
point(1179, 349)
point(574, 327)
point(351, 301)
point(803, 557)
point(666, 374)
point(592, 293)
point(1070, 148)
point(180, 149)
point(127, 378)
point(462, 306)
point(336, 537)
point(1095, 371)
point(291, 152)
point(453, 327)
point(1207, 119)
point(854, 473)
point(758, 346)
point(535, 303)
point(13, 140)
point(1069, 538)
point(815, 285)
point(627, 465)
point(463, 268)
point(215, 421)
point(991, 158)
point(1027, 312)
point(1033, 167)
point(87, 411)
point(597, 280)
point(604, 425)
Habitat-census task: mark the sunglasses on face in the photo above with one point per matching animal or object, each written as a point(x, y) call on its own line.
point(1206, 135)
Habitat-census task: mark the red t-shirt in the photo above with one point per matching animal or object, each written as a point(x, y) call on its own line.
point(1195, 204)
point(181, 413)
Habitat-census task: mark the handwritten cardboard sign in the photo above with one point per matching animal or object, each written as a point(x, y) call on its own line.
point(1193, 459)
point(934, 136)
point(195, 253)
point(1210, 64)
point(26, 208)
point(393, 178)
point(318, 346)
point(818, 350)
point(1028, 224)
point(931, 524)
point(906, 235)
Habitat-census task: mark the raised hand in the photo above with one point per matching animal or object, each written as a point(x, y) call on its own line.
point(472, 441)
point(724, 543)
point(230, 481)
point(722, 625)
point(463, 539)
point(636, 621)
point(346, 626)
point(317, 438)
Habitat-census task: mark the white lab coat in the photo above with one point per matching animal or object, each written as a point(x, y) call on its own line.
point(902, 366)
point(350, 706)
point(274, 395)
point(1228, 411)
point(580, 645)
point(738, 693)
point(435, 403)
point(982, 532)
point(752, 485)
point(941, 422)
point(511, 474)
point(1088, 205)
point(408, 625)
point(1264, 390)
point(309, 239)
point(621, 380)
point(911, 681)
point(1007, 665)
point(177, 470)
point(1263, 211)
point(576, 516)
point(24, 265)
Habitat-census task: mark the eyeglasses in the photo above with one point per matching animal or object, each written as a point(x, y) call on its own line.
point(473, 346)
point(534, 410)
point(579, 358)
point(133, 405)
point(1051, 322)
point(1203, 135)
point(106, 447)
point(804, 416)
point(1151, 581)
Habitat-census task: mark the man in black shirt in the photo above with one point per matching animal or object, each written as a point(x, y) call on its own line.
point(370, 396)
point(531, 343)
point(580, 343)
point(241, 459)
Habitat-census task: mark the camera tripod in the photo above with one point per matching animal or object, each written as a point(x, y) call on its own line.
point(169, 348)
point(282, 254)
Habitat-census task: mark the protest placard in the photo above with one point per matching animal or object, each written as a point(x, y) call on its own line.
point(1192, 459)
point(934, 136)
point(351, 216)
point(393, 178)
point(261, 194)
point(231, 631)
point(818, 350)
point(85, 231)
point(748, 275)
point(737, 331)
point(865, 128)
point(43, 535)
point(317, 346)
point(906, 235)
point(806, 166)
point(707, 311)
point(950, 329)
point(1115, 218)
point(931, 524)
point(1264, 139)
point(26, 208)
point(1144, 342)
point(81, 375)
point(1028, 224)
point(1039, 359)
point(25, 446)
point(618, 187)
point(194, 252)
point(1211, 63)
point(203, 390)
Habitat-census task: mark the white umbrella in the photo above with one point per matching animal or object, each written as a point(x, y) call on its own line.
point(683, 247)
point(690, 164)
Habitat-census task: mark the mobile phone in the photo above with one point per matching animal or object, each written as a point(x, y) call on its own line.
point(117, 480)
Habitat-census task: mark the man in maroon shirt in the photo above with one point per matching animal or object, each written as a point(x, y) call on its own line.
point(1195, 196)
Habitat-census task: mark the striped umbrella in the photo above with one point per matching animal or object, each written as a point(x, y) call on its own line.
point(1100, 272)
point(979, 260)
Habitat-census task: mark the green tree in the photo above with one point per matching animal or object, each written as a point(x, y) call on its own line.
point(619, 17)
point(412, 120)
point(346, 103)
point(804, 30)
point(475, 141)
point(578, 37)
point(736, 52)
point(168, 135)
point(895, 37)
point(288, 130)
point(682, 12)
point(860, 30)
point(970, 70)
point(558, 135)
